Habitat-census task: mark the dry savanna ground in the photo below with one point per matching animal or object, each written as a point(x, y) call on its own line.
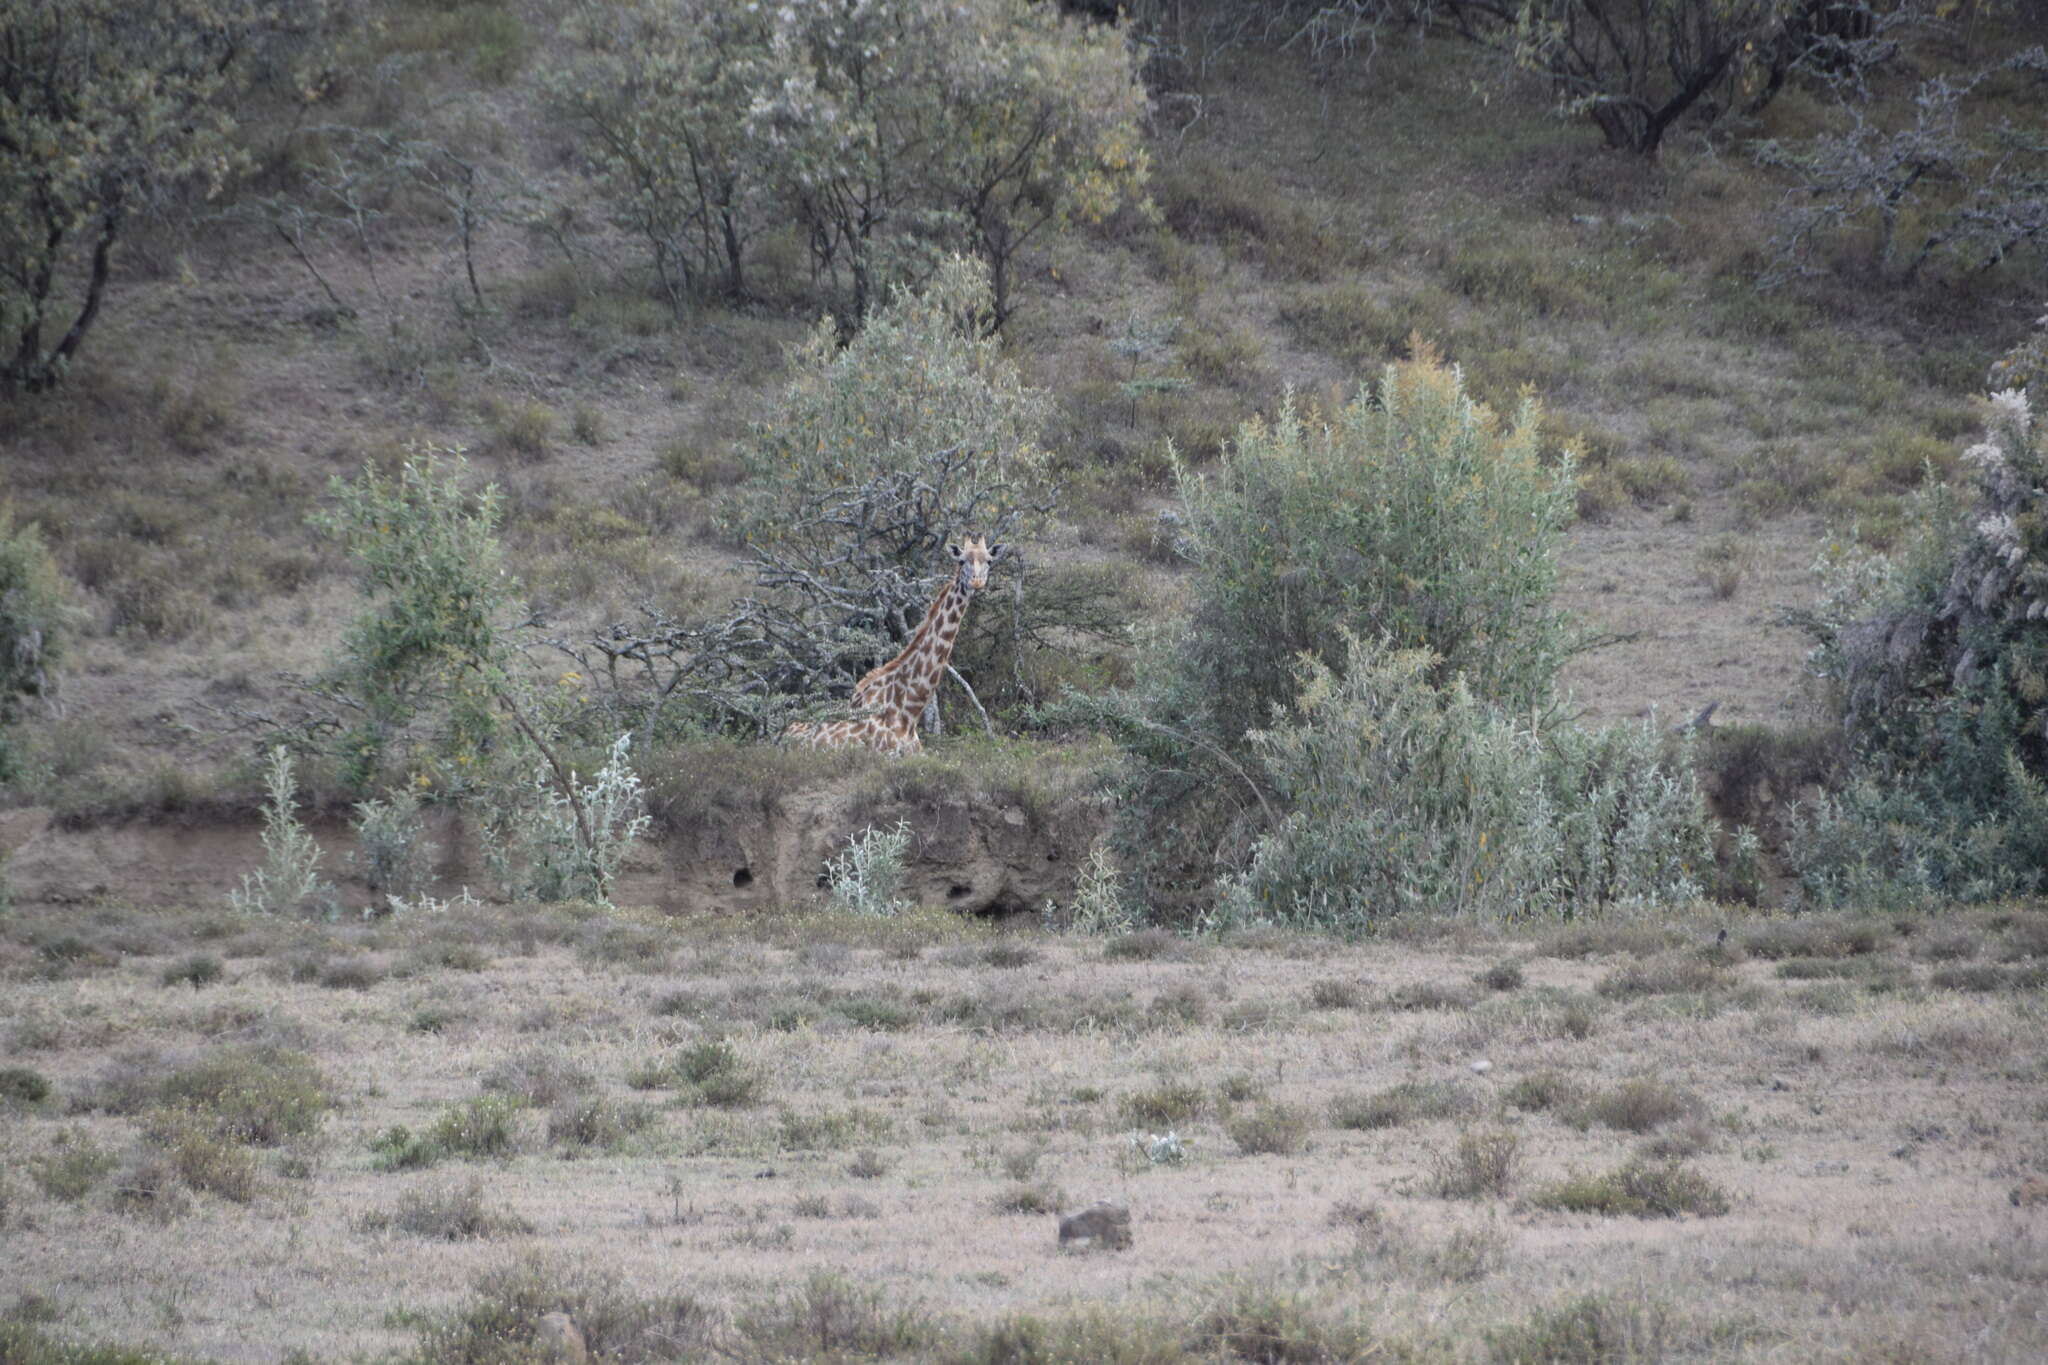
point(820, 1137)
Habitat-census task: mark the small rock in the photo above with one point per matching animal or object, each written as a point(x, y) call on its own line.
point(1481, 1067)
point(2031, 1193)
point(1780, 1083)
point(559, 1342)
point(1101, 1227)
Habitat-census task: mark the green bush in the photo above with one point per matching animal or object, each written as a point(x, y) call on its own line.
point(1935, 661)
point(1409, 517)
point(715, 129)
point(23, 1085)
point(1409, 795)
point(34, 625)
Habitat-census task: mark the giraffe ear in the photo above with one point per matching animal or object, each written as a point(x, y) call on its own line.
point(995, 550)
point(954, 550)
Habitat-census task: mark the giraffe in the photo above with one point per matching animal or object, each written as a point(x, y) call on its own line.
point(897, 692)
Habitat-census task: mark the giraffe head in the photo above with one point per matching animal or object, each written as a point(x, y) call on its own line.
point(973, 556)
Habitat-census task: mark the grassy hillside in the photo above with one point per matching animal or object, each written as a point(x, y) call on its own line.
point(1311, 219)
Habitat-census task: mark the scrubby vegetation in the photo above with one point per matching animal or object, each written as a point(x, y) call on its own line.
point(448, 444)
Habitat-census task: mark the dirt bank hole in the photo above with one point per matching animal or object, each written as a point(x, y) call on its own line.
point(744, 877)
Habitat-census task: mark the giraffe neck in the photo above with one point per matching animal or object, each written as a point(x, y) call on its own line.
point(885, 682)
point(923, 661)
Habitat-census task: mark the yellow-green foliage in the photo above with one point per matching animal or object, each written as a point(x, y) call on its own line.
point(1410, 512)
point(922, 376)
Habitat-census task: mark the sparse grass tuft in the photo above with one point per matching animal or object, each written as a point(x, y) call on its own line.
point(1034, 1197)
point(1147, 945)
point(203, 1159)
point(500, 1322)
point(1502, 976)
point(1336, 995)
point(194, 970)
point(1272, 1129)
point(455, 1214)
point(1258, 1324)
point(1429, 995)
point(1639, 1105)
point(71, 1166)
point(1163, 1106)
point(1670, 974)
point(1594, 1329)
point(487, 1126)
point(828, 1317)
point(1542, 1091)
point(1484, 1162)
point(1594, 938)
point(1185, 1003)
point(543, 1077)
point(1408, 1102)
point(525, 429)
point(596, 1122)
point(1983, 976)
point(1815, 936)
point(259, 1095)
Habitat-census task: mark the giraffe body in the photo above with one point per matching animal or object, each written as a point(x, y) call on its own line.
point(896, 693)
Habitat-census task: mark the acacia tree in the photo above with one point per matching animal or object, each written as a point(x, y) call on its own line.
point(900, 135)
point(106, 108)
point(665, 93)
point(1969, 191)
point(1633, 67)
point(1051, 131)
point(887, 139)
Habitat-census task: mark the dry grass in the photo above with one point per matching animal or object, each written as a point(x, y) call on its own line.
point(923, 1159)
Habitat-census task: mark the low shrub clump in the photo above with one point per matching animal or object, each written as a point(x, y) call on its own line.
point(1483, 1162)
point(258, 1095)
point(1270, 1129)
point(1638, 1189)
point(455, 1214)
point(709, 1072)
point(1409, 794)
point(1408, 1102)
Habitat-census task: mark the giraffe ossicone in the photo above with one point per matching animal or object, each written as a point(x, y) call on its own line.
point(894, 694)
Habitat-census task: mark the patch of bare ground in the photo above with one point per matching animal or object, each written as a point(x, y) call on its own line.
point(911, 1106)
